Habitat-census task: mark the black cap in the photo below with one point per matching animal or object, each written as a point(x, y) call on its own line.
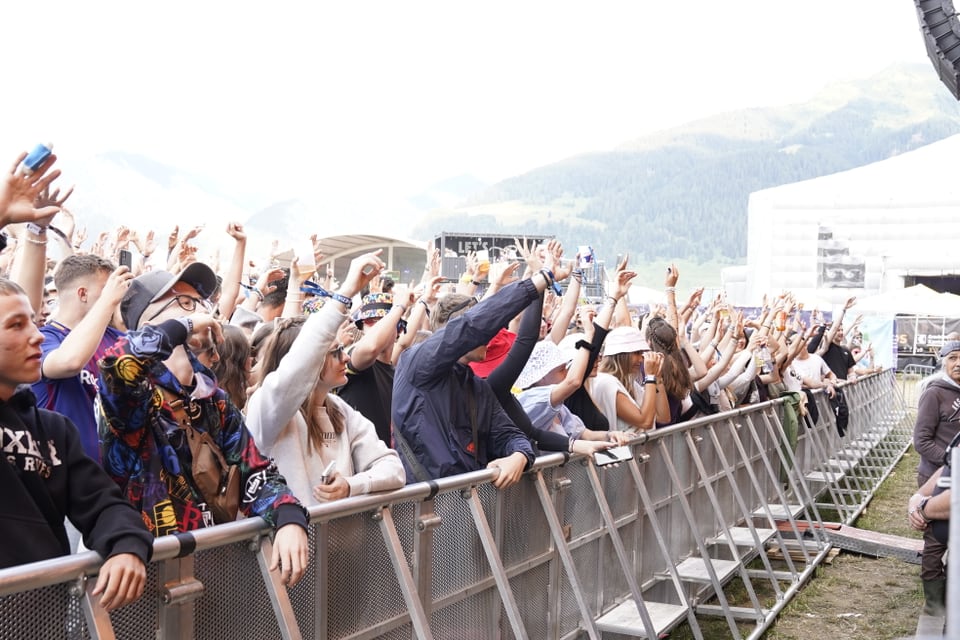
point(153, 285)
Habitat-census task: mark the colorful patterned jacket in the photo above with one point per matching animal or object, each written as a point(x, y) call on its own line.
point(137, 419)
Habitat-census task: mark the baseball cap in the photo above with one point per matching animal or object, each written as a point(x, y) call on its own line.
point(152, 286)
point(948, 347)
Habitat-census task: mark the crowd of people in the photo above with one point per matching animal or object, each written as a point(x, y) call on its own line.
point(163, 396)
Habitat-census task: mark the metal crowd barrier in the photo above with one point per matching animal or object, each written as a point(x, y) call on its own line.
point(715, 521)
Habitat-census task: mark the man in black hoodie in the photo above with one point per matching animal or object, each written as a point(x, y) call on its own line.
point(938, 421)
point(46, 475)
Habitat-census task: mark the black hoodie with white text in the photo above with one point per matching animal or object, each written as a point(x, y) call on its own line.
point(46, 476)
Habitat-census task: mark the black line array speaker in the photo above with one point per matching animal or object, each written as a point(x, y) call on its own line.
point(941, 34)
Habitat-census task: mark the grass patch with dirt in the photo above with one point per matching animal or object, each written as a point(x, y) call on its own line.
point(860, 597)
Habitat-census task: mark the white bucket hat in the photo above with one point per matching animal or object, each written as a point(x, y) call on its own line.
point(545, 358)
point(624, 340)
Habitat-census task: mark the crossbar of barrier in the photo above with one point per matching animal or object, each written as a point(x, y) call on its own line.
point(631, 550)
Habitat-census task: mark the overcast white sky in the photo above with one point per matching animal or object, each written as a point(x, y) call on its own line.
point(321, 99)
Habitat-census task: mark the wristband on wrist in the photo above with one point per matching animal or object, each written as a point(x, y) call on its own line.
point(670, 289)
point(317, 290)
point(36, 229)
point(921, 507)
point(339, 297)
point(551, 281)
point(649, 379)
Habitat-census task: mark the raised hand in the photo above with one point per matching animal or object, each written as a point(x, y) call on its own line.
point(652, 361)
point(622, 285)
point(149, 243)
point(52, 200)
point(433, 264)
point(503, 273)
point(79, 236)
point(673, 274)
point(193, 233)
point(18, 193)
point(376, 284)
point(173, 238)
point(235, 231)
point(529, 255)
point(362, 270)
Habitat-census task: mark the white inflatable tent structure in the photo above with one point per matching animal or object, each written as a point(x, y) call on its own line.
point(860, 232)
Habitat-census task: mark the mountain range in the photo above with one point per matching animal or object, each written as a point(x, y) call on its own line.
point(678, 193)
point(682, 193)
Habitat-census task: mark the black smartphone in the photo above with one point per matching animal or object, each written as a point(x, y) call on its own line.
point(126, 259)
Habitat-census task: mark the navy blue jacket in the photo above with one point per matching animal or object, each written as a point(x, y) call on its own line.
point(430, 393)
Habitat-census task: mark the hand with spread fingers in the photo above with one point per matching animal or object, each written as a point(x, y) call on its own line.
point(19, 192)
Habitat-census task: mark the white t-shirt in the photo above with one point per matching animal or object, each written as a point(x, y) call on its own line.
point(791, 379)
point(604, 389)
point(812, 367)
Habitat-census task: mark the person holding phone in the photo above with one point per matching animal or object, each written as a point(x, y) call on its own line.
point(325, 448)
point(150, 383)
point(76, 336)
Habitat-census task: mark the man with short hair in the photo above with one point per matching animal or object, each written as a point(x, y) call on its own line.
point(156, 396)
point(46, 477)
point(446, 419)
point(76, 336)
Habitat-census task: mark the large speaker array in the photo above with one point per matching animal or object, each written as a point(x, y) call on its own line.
point(941, 34)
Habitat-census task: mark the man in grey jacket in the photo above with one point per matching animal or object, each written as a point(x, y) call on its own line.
point(938, 421)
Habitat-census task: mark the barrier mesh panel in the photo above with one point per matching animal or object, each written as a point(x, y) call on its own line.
point(140, 619)
point(459, 560)
point(580, 506)
point(39, 615)
point(363, 589)
point(525, 529)
point(585, 559)
point(303, 596)
point(404, 518)
point(235, 603)
point(620, 489)
point(531, 591)
point(468, 619)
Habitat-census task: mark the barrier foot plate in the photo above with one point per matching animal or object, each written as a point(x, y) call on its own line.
point(625, 618)
point(695, 569)
point(743, 536)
